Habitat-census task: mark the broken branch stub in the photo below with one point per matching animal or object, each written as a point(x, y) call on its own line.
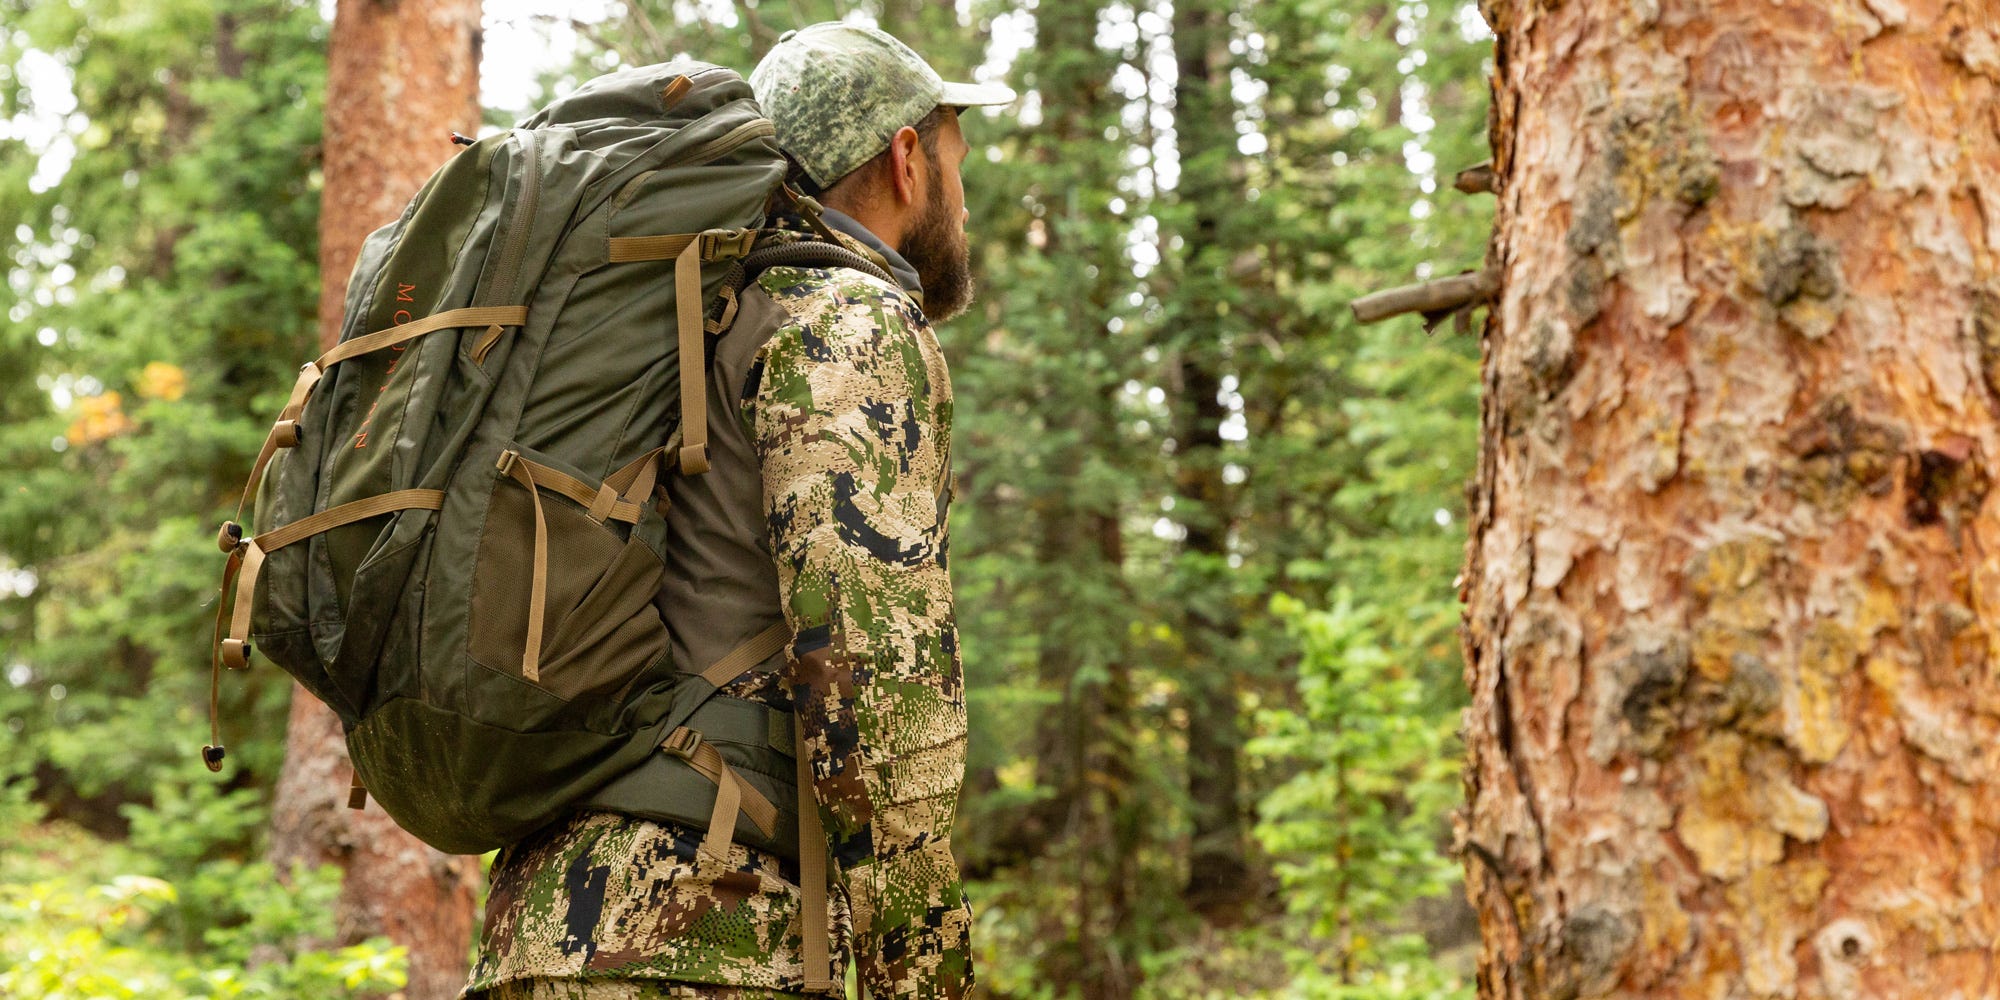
point(1442, 296)
point(1477, 179)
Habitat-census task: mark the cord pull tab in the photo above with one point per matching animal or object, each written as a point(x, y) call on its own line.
point(462, 140)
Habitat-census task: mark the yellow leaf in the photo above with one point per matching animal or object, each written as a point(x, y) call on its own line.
point(97, 418)
point(163, 381)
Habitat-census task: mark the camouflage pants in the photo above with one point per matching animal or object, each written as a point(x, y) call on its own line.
point(623, 989)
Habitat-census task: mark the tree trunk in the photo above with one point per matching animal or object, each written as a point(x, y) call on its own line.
point(1218, 876)
point(1731, 630)
point(401, 77)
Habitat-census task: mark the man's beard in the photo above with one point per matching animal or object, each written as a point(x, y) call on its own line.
point(936, 247)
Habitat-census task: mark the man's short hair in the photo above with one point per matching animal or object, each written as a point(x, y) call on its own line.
point(927, 132)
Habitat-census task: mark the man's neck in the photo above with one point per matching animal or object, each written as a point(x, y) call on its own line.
point(887, 227)
point(900, 269)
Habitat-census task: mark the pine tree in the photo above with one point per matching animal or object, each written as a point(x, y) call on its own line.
point(160, 278)
point(1042, 530)
point(1730, 638)
point(161, 284)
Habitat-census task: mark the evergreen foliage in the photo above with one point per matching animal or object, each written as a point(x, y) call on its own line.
point(159, 290)
point(1205, 532)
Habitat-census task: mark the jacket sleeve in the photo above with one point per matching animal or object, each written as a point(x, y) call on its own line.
point(851, 415)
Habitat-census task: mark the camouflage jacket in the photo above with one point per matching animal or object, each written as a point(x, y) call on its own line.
point(849, 409)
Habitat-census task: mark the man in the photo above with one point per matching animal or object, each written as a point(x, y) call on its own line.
point(830, 444)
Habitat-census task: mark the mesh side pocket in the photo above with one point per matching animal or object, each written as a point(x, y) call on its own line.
point(600, 628)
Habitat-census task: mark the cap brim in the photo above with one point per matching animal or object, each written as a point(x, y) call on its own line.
point(975, 95)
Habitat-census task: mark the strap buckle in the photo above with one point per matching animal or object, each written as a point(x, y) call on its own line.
point(726, 244)
point(682, 743)
point(506, 462)
point(235, 654)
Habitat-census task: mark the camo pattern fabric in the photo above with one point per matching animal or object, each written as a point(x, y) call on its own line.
point(602, 898)
point(627, 989)
point(850, 410)
point(853, 427)
point(837, 92)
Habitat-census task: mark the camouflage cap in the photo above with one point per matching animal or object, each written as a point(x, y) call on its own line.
point(839, 91)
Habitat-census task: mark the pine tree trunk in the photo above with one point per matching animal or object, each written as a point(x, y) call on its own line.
point(1218, 875)
point(401, 77)
point(1732, 628)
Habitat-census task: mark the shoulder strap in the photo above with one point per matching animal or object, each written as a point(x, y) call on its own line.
point(808, 253)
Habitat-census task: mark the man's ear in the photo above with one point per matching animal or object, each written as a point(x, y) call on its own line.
point(906, 157)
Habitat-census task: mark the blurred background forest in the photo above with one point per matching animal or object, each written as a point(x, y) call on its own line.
point(1207, 531)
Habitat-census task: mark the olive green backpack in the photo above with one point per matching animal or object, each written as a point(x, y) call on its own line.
point(460, 510)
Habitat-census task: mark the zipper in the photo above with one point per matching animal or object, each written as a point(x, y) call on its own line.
point(524, 219)
point(517, 239)
point(752, 129)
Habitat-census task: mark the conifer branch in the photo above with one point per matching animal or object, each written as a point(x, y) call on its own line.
point(1440, 297)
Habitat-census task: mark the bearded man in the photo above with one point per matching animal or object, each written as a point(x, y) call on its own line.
point(831, 451)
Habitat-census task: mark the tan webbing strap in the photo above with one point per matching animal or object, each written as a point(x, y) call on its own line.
point(212, 754)
point(234, 651)
point(558, 481)
point(236, 645)
point(753, 651)
point(486, 342)
point(602, 504)
point(814, 920)
point(520, 468)
point(230, 571)
point(285, 432)
point(264, 456)
point(722, 822)
point(686, 251)
point(693, 361)
point(309, 376)
point(713, 244)
point(631, 249)
point(636, 479)
point(728, 316)
point(348, 513)
point(732, 795)
point(450, 319)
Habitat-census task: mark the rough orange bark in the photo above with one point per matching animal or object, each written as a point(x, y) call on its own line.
point(1733, 634)
point(401, 77)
